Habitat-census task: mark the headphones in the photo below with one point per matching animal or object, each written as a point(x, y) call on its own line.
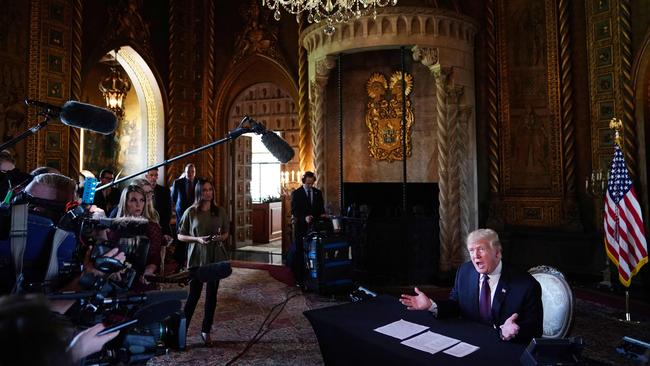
point(308, 174)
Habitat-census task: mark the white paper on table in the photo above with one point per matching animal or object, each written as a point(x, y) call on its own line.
point(401, 329)
point(430, 342)
point(462, 349)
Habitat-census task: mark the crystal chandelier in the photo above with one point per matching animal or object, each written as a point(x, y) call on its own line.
point(330, 11)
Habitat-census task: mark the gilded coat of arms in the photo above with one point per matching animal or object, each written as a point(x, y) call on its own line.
point(384, 116)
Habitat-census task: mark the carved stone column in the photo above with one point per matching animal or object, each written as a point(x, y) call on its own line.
point(455, 180)
point(318, 82)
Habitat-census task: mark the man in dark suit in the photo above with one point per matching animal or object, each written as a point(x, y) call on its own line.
point(306, 204)
point(489, 292)
point(107, 198)
point(10, 176)
point(183, 197)
point(161, 202)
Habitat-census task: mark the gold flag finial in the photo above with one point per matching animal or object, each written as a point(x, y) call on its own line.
point(616, 125)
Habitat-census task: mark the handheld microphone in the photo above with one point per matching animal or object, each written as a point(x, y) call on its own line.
point(279, 148)
point(79, 115)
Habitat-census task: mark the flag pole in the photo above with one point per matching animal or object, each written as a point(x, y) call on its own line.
point(616, 125)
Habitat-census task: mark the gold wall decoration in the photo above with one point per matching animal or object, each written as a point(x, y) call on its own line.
point(384, 116)
point(534, 152)
point(611, 90)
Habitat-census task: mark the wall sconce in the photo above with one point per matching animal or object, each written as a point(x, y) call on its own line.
point(290, 180)
point(596, 183)
point(114, 88)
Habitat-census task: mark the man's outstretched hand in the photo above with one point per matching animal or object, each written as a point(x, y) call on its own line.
point(418, 302)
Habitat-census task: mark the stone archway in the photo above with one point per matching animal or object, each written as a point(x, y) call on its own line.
point(144, 124)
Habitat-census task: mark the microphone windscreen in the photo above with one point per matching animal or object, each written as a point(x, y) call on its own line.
point(89, 117)
point(213, 272)
point(157, 312)
point(126, 226)
point(277, 146)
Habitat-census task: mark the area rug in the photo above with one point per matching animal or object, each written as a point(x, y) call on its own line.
point(244, 300)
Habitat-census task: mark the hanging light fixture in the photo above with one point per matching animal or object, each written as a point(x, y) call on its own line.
point(330, 11)
point(114, 88)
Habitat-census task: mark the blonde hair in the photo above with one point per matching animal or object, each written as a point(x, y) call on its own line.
point(487, 235)
point(137, 185)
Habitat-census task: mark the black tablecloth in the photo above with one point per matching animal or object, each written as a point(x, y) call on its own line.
point(346, 336)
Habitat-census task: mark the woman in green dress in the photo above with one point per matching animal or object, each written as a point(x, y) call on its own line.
point(204, 226)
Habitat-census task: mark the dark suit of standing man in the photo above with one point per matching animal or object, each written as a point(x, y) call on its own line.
point(108, 198)
point(508, 300)
point(183, 197)
point(306, 204)
point(161, 201)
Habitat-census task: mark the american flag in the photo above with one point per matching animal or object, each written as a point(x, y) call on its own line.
point(625, 241)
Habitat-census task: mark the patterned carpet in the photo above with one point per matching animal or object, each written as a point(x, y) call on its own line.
point(248, 295)
point(244, 300)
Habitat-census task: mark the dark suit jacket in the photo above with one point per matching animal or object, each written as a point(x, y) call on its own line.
point(163, 204)
point(301, 208)
point(517, 292)
point(180, 198)
point(107, 204)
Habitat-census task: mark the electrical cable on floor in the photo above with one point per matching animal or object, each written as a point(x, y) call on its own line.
point(261, 331)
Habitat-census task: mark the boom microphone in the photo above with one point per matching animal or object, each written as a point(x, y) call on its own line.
point(80, 115)
point(280, 149)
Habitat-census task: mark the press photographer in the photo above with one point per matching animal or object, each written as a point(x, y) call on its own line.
point(85, 275)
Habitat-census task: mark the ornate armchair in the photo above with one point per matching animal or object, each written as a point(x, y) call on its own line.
point(557, 300)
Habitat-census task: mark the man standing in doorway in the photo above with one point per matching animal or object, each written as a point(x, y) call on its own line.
point(161, 202)
point(183, 197)
point(306, 204)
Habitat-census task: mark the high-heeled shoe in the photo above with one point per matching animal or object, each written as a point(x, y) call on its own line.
point(207, 340)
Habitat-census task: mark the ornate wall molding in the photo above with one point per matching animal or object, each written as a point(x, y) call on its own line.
point(190, 87)
point(170, 127)
point(530, 126)
point(212, 163)
point(611, 93)
point(75, 86)
point(259, 35)
point(305, 152)
point(50, 76)
point(571, 213)
point(127, 27)
point(393, 26)
point(317, 96)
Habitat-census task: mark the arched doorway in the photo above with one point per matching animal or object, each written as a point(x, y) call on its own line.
point(257, 176)
point(135, 144)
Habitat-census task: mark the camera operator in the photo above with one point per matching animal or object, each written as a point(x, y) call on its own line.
point(30, 334)
point(135, 202)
